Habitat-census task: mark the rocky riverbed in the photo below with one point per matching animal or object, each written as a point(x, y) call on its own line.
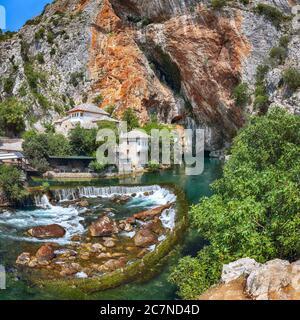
point(109, 239)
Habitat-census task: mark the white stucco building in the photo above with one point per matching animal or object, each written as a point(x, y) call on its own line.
point(133, 151)
point(86, 115)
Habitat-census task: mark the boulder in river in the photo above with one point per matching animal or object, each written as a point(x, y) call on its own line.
point(45, 253)
point(145, 238)
point(155, 226)
point(47, 232)
point(103, 227)
point(112, 265)
point(23, 259)
point(83, 203)
point(150, 214)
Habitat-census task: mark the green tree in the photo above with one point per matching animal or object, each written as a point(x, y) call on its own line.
point(83, 141)
point(11, 184)
point(12, 114)
point(37, 147)
point(131, 119)
point(255, 209)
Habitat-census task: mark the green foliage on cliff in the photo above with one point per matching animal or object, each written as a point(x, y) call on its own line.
point(261, 99)
point(271, 13)
point(278, 54)
point(241, 94)
point(37, 147)
point(8, 85)
point(12, 113)
point(217, 4)
point(255, 209)
point(291, 78)
point(98, 99)
point(11, 184)
point(6, 35)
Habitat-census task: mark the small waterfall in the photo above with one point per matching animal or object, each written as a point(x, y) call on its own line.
point(42, 201)
point(105, 192)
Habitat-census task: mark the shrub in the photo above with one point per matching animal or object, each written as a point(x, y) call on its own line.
point(153, 166)
point(12, 114)
point(42, 100)
point(98, 99)
point(8, 85)
point(40, 34)
point(291, 78)
point(37, 147)
point(131, 119)
point(261, 72)
point(97, 166)
point(284, 41)
point(217, 4)
point(52, 52)
point(6, 35)
point(271, 13)
point(34, 22)
point(31, 75)
point(50, 37)
point(255, 209)
point(245, 2)
point(76, 77)
point(261, 102)
point(11, 184)
point(241, 94)
point(40, 58)
point(110, 109)
point(279, 54)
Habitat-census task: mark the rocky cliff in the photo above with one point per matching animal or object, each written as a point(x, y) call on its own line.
point(178, 59)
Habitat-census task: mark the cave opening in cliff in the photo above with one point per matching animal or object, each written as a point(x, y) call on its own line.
point(165, 69)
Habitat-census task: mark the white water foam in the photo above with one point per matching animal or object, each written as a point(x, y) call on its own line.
point(23, 220)
point(15, 223)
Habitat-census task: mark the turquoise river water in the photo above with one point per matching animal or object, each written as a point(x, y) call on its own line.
point(157, 288)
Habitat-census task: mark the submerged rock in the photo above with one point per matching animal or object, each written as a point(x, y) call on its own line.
point(47, 232)
point(104, 226)
point(45, 253)
point(23, 259)
point(155, 226)
point(144, 238)
point(109, 244)
point(112, 265)
point(120, 199)
point(83, 203)
point(150, 214)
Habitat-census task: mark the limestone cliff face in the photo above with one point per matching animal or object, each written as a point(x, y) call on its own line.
point(179, 59)
point(245, 279)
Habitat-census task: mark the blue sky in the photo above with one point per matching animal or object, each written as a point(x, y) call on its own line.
point(19, 11)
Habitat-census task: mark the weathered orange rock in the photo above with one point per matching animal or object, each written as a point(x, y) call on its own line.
point(234, 290)
point(45, 252)
point(144, 238)
point(104, 226)
point(46, 232)
point(150, 214)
